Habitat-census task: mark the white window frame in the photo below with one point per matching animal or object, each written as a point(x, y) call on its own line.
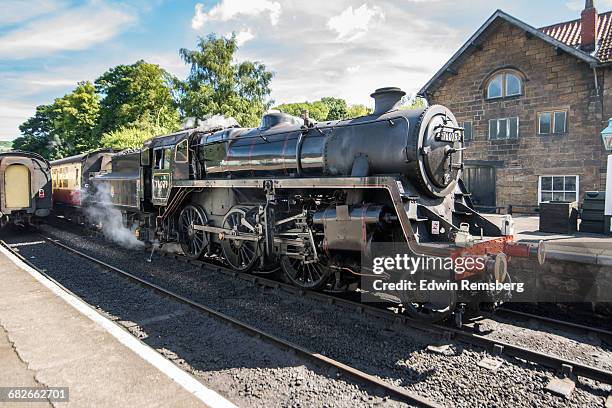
point(552, 122)
point(518, 126)
point(504, 86)
point(553, 190)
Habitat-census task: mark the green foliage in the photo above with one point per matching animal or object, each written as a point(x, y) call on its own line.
point(132, 136)
point(355, 111)
point(338, 108)
point(63, 128)
point(136, 93)
point(217, 85)
point(414, 102)
point(316, 110)
point(6, 145)
point(327, 108)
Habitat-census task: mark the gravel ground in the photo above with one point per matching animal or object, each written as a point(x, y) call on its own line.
point(536, 335)
point(246, 370)
point(396, 354)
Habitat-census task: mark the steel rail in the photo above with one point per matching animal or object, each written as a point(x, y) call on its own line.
point(317, 358)
point(495, 347)
point(562, 324)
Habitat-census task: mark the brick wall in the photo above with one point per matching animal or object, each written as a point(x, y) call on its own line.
point(552, 81)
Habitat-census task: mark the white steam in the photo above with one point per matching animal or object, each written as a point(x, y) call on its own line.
point(213, 122)
point(101, 211)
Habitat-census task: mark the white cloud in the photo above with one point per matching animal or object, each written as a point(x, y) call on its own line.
point(353, 68)
point(75, 29)
point(244, 36)
point(353, 23)
point(15, 11)
point(229, 9)
point(13, 114)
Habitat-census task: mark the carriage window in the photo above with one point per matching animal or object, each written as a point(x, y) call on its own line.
point(181, 154)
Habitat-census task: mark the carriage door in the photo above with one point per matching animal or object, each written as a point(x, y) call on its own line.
point(480, 181)
point(181, 161)
point(17, 186)
point(161, 175)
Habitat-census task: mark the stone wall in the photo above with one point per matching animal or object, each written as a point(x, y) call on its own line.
point(552, 81)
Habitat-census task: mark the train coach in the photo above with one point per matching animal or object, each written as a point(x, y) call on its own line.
point(25, 188)
point(70, 177)
point(314, 198)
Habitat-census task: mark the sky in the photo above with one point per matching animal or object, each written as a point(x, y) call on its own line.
point(316, 48)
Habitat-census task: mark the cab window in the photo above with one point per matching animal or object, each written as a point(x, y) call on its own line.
point(167, 157)
point(181, 154)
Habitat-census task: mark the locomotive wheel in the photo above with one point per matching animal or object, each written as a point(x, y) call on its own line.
point(311, 276)
point(240, 254)
point(193, 242)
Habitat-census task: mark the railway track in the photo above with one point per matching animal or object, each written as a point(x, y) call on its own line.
point(495, 347)
point(317, 358)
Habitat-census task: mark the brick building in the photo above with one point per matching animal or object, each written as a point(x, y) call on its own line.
point(533, 103)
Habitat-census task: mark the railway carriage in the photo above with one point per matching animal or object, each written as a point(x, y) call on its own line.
point(25, 188)
point(71, 177)
point(314, 198)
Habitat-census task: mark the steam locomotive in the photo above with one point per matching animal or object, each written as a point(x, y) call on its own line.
point(314, 198)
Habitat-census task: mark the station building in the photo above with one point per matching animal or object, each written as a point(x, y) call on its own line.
point(533, 102)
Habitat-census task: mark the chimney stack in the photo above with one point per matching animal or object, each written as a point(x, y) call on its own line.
point(588, 27)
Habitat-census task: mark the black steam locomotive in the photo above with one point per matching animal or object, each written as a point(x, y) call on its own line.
point(313, 198)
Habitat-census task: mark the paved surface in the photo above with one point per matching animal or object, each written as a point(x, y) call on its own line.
point(526, 229)
point(44, 341)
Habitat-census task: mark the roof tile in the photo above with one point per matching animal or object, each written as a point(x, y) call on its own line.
point(569, 33)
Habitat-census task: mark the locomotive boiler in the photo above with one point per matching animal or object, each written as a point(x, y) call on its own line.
point(317, 199)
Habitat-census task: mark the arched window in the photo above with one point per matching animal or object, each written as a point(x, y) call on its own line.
point(503, 84)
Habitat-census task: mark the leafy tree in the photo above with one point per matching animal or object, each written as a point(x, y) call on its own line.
point(354, 111)
point(75, 117)
point(217, 85)
point(413, 102)
point(316, 110)
point(132, 136)
point(338, 108)
point(136, 93)
point(36, 132)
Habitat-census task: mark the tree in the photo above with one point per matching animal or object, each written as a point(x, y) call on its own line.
point(75, 117)
point(36, 132)
point(217, 85)
point(337, 108)
point(355, 111)
point(136, 93)
point(132, 136)
point(316, 110)
point(63, 128)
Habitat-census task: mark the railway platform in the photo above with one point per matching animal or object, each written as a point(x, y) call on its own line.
point(50, 338)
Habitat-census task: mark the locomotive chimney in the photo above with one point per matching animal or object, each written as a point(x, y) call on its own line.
point(386, 99)
point(588, 27)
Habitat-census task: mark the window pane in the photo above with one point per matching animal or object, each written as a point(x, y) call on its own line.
point(493, 129)
point(502, 129)
point(546, 196)
point(513, 85)
point(558, 183)
point(558, 196)
point(544, 123)
point(467, 131)
point(559, 122)
point(167, 157)
point(570, 183)
point(181, 152)
point(547, 183)
point(494, 89)
point(570, 196)
point(513, 128)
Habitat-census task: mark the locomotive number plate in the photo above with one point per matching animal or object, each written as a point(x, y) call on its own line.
point(448, 136)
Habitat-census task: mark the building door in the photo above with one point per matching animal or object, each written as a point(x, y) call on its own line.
point(480, 181)
point(17, 186)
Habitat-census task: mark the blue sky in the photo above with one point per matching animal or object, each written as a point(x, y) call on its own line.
point(342, 48)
